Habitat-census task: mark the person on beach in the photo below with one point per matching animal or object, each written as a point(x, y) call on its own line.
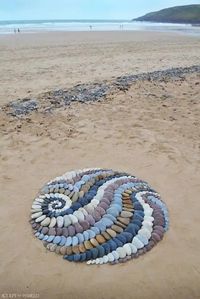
point(18, 30)
point(15, 31)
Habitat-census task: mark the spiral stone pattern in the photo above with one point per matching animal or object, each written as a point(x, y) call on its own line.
point(99, 216)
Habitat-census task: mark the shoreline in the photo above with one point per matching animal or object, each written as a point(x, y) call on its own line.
point(194, 32)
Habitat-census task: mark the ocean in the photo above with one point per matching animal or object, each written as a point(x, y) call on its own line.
point(33, 26)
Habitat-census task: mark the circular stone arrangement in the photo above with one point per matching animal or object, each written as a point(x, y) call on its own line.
point(99, 216)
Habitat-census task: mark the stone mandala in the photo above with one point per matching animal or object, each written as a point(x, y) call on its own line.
point(99, 216)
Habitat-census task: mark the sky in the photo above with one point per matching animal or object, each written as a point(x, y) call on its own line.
point(82, 9)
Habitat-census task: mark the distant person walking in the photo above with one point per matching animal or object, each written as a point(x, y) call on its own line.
point(90, 27)
point(18, 30)
point(15, 31)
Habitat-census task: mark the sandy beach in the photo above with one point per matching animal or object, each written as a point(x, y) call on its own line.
point(151, 129)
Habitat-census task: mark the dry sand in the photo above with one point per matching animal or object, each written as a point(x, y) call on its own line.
point(141, 131)
point(39, 62)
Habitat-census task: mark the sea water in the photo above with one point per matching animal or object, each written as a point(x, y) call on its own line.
point(33, 26)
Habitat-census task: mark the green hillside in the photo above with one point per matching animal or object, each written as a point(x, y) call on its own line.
point(189, 14)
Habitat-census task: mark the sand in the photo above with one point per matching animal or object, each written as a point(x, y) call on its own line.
point(31, 63)
point(152, 131)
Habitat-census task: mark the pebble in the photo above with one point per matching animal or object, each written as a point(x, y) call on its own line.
point(67, 220)
point(46, 221)
point(60, 221)
point(121, 251)
point(117, 228)
point(36, 215)
point(97, 216)
point(52, 222)
point(41, 218)
point(126, 214)
point(100, 239)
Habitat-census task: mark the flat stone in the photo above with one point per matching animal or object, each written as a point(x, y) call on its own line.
point(57, 240)
point(88, 245)
point(41, 218)
point(60, 221)
point(106, 235)
point(69, 250)
point(91, 234)
point(71, 230)
point(52, 222)
point(117, 228)
point(121, 251)
point(75, 249)
point(90, 219)
point(111, 232)
point(52, 231)
point(81, 247)
point(36, 215)
point(94, 242)
point(155, 237)
point(63, 240)
point(78, 228)
point(67, 220)
point(69, 241)
point(127, 248)
point(85, 225)
point(126, 214)
point(73, 219)
point(75, 241)
point(100, 239)
point(45, 230)
point(110, 257)
point(65, 232)
point(52, 247)
point(63, 250)
point(80, 216)
point(46, 221)
point(133, 248)
point(80, 238)
point(138, 244)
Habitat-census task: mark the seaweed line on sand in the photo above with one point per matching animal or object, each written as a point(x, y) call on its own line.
point(90, 92)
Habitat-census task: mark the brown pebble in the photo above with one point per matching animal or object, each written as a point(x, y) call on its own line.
point(63, 250)
point(69, 250)
point(94, 242)
point(125, 221)
point(100, 239)
point(106, 235)
point(81, 247)
point(52, 247)
point(111, 232)
point(124, 194)
point(129, 192)
point(75, 249)
point(120, 224)
point(88, 245)
point(127, 201)
point(117, 228)
point(58, 249)
point(126, 214)
point(45, 243)
point(81, 194)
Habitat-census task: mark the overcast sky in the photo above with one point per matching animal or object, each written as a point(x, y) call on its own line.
point(82, 9)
